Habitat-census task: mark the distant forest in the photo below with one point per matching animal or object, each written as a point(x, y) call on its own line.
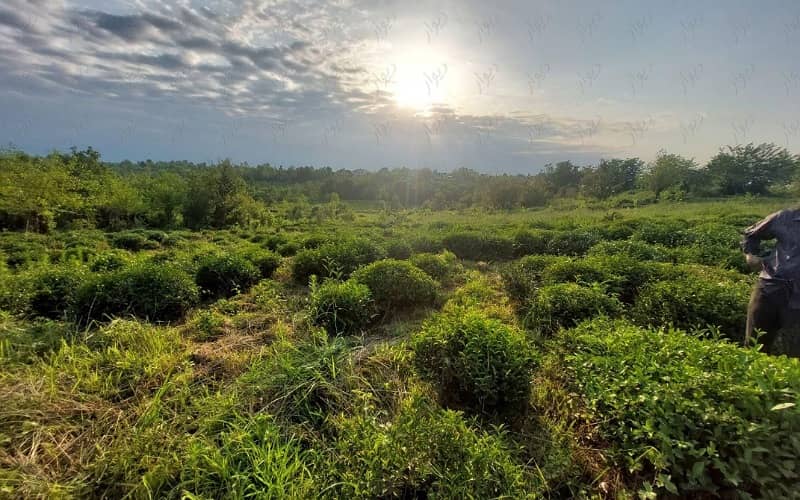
point(79, 190)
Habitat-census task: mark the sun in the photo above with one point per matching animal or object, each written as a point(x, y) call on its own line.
point(418, 79)
point(412, 94)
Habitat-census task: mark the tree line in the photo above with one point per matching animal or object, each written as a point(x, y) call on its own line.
point(77, 189)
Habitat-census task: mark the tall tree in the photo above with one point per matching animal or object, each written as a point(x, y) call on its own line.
point(751, 169)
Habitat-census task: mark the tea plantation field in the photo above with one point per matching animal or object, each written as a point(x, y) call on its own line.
point(556, 353)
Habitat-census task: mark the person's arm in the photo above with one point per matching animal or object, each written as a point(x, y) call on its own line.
point(751, 243)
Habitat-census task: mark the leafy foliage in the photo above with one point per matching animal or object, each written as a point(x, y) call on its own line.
point(475, 362)
point(564, 305)
point(225, 275)
point(336, 259)
point(691, 302)
point(341, 307)
point(146, 290)
point(691, 415)
point(423, 451)
point(397, 284)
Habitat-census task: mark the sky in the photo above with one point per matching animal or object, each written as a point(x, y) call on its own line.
point(501, 86)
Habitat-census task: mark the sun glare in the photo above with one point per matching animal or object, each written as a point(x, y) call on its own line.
point(419, 80)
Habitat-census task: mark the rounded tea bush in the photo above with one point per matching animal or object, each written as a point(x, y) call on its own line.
point(336, 259)
point(638, 250)
point(479, 246)
point(53, 290)
point(399, 250)
point(397, 284)
point(265, 261)
point(225, 275)
point(109, 261)
point(689, 302)
point(439, 266)
point(564, 305)
point(133, 241)
point(475, 362)
point(146, 290)
point(341, 307)
point(522, 277)
point(571, 242)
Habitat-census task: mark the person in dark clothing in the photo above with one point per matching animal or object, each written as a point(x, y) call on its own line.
point(775, 302)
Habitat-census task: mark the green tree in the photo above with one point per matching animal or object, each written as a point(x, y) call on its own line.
point(751, 169)
point(668, 171)
point(611, 177)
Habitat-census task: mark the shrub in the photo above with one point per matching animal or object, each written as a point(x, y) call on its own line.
point(635, 249)
point(479, 246)
point(565, 305)
point(338, 259)
point(475, 362)
point(439, 266)
point(265, 261)
point(691, 302)
point(667, 232)
point(422, 452)
point(582, 271)
point(571, 242)
point(109, 261)
point(619, 275)
point(531, 242)
point(692, 416)
point(151, 291)
point(399, 250)
point(397, 284)
point(523, 276)
point(341, 307)
point(616, 230)
point(132, 241)
point(53, 291)
point(225, 275)
point(288, 248)
point(426, 244)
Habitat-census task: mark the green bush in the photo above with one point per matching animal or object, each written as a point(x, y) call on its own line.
point(521, 278)
point(692, 416)
point(475, 362)
point(151, 291)
point(564, 305)
point(133, 241)
point(422, 451)
point(53, 291)
point(479, 246)
point(109, 261)
point(341, 307)
point(265, 261)
point(619, 275)
point(694, 303)
point(337, 259)
point(397, 284)
point(225, 275)
point(528, 242)
point(635, 249)
point(571, 242)
point(399, 250)
point(441, 266)
point(668, 232)
point(426, 244)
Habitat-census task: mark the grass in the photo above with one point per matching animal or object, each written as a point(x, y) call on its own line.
point(245, 396)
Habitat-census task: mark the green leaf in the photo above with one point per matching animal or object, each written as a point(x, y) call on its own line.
point(782, 406)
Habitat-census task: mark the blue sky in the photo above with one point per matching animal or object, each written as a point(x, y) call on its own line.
point(503, 86)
